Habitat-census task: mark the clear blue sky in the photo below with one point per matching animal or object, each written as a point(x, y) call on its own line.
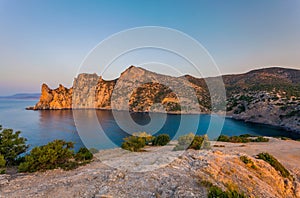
point(45, 41)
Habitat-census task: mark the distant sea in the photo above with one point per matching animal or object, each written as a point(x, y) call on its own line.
point(41, 127)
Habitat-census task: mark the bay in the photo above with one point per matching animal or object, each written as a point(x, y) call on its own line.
point(100, 129)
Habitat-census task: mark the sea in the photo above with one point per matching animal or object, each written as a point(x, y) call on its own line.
point(105, 129)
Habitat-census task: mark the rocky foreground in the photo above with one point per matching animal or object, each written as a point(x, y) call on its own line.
point(161, 172)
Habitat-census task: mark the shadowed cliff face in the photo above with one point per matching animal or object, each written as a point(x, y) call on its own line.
point(270, 96)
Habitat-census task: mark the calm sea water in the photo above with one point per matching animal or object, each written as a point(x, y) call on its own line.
point(99, 129)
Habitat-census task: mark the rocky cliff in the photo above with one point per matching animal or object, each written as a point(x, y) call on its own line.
point(60, 98)
point(270, 96)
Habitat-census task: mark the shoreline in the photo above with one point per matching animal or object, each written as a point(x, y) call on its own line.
point(226, 115)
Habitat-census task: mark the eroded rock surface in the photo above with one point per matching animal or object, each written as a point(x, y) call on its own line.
point(185, 176)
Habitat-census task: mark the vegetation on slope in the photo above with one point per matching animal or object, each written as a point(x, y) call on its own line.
point(161, 140)
point(242, 139)
point(11, 145)
point(191, 141)
point(217, 192)
point(275, 163)
point(56, 154)
point(137, 141)
point(246, 160)
point(133, 143)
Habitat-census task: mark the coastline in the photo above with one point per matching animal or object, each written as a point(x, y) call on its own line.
point(226, 115)
point(288, 129)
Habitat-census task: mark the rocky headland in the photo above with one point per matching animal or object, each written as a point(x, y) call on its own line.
point(146, 174)
point(269, 96)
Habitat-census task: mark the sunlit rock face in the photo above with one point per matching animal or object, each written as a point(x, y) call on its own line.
point(136, 90)
point(60, 98)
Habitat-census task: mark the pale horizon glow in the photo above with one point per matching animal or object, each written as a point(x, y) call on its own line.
point(46, 41)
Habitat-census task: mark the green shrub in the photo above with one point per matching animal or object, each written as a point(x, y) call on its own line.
point(186, 140)
point(247, 135)
point(56, 154)
point(11, 145)
point(275, 163)
point(196, 143)
point(161, 140)
point(216, 192)
point(2, 164)
point(245, 159)
point(83, 155)
point(242, 139)
point(191, 141)
point(2, 161)
point(133, 143)
point(206, 143)
point(240, 108)
point(248, 161)
point(223, 138)
point(148, 138)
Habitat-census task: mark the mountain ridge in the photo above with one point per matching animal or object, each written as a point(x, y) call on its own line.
point(268, 95)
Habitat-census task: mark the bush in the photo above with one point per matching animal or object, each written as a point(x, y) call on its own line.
point(83, 155)
point(216, 192)
point(223, 138)
point(11, 145)
point(196, 143)
point(148, 138)
point(2, 164)
point(191, 141)
point(2, 161)
point(247, 135)
point(56, 154)
point(133, 143)
point(242, 139)
point(161, 140)
point(248, 161)
point(184, 142)
point(275, 163)
point(206, 143)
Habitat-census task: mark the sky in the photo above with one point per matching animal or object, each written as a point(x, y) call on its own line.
point(47, 41)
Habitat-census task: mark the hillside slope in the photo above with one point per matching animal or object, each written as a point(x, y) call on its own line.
point(269, 96)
